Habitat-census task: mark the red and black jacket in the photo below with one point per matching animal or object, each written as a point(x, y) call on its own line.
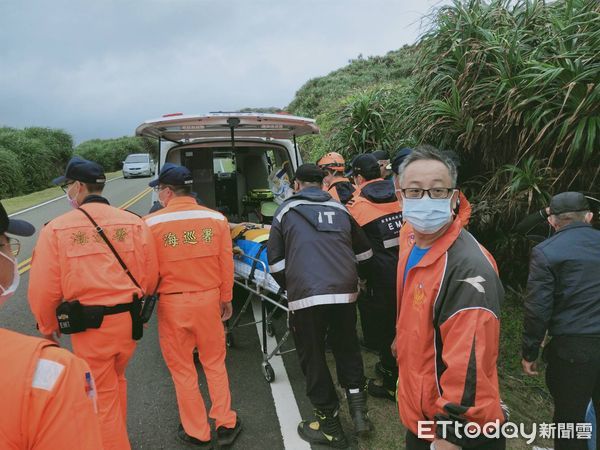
point(447, 333)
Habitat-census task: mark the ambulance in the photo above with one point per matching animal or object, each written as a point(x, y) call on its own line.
point(242, 162)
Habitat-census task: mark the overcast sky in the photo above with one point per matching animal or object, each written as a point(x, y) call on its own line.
point(98, 68)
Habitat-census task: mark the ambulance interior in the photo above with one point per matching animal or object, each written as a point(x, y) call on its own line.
point(240, 182)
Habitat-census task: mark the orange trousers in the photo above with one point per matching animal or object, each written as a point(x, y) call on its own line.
point(107, 351)
point(193, 320)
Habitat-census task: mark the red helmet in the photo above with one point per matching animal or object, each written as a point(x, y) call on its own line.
point(333, 161)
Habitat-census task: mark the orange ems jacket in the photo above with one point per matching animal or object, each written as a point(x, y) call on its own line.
point(194, 248)
point(72, 262)
point(447, 332)
point(377, 211)
point(341, 189)
point(48, 397)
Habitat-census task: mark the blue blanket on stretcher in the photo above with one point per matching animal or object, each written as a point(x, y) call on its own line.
point(257, 250)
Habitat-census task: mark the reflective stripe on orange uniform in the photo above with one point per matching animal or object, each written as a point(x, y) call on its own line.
point(189, 236)
point(47, 397)
point(71, 261)
point(196, 268)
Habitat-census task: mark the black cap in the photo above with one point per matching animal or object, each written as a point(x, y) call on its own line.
point(79, 169)
point(568, 202)
point(310, 173)
point(173, 174)
point(381, 155)
point(395, 164)
point(364, 163)
point(13, 226)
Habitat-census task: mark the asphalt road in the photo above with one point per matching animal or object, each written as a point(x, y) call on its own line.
point(152, 408)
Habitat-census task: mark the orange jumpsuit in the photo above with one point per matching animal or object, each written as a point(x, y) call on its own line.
point(196, 269)
point(70, 262)
point(48, 397)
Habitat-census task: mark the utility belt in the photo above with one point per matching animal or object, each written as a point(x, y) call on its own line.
point(73, 317)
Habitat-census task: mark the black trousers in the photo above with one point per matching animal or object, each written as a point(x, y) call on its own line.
point(378, 320)
point(309, 327)
point(414, 443)
point(573, 378)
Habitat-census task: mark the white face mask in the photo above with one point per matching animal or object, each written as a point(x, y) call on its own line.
point(427, 215)
point(6, 293)
point(72, 201)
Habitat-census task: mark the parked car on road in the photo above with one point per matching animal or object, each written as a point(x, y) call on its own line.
point(138, 164)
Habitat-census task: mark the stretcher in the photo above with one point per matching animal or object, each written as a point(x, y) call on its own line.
point(251, 273)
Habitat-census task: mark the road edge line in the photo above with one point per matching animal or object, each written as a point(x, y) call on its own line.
point(281, 390)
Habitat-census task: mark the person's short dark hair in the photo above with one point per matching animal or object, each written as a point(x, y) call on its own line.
point(180, 190)
point(429, 152)
point(367, 166)
point(94, 187)
point(309, 173)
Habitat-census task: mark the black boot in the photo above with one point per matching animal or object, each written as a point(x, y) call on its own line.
point(381, 391)
point(357, 403)
point(326, 430)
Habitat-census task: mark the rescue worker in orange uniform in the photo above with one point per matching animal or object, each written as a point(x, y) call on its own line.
point(338, 186)
point(196, 288)
point(447, 331)
point(47, 393)
point(377, 211)
point(72, 262)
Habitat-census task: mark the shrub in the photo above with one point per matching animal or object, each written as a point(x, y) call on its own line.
point(37, 165)
point(110, 153)
point(12, 181)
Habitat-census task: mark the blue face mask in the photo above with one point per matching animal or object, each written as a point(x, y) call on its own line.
point(427, 215)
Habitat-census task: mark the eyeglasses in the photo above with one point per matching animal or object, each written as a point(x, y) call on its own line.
point(433, 193)
point(14, 245)
point(65, 186)
point(159, 188)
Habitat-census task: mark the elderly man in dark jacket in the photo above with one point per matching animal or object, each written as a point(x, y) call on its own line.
point(313, 250)
point(564, 300)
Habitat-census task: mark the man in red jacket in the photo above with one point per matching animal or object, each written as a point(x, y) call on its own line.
point(447, 332)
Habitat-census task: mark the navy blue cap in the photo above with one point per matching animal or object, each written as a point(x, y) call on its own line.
point(309, 173)
point(381, 155)
point(14, 226)
point(173, 174)
point(79, 169)
point(395, 164)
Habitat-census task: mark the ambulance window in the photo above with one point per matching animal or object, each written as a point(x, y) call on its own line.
point(224, 163)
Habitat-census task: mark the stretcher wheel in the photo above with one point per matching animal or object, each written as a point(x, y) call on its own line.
point(268, 372)
point(270, 329)
point(229, 340)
